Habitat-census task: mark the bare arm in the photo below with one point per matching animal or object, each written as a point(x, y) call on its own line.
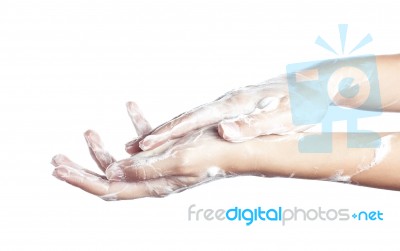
point(278, 156)
point(389, 81)
point(383, 71)
point(202, 157)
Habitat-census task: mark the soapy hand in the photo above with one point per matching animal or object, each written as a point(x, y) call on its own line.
point(198, 157)
point(202, 156)
point(240, 115)
point(194, 147)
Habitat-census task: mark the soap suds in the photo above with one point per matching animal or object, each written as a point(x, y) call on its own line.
point(339, 177)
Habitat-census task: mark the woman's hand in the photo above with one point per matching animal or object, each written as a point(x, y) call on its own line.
point(198, 157)
point(202, 156)
point(239, 115)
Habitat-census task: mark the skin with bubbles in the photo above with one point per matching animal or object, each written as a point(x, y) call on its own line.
point(171, 168)
point(185, 155)
point(201, 157)
point(240, 115)
point(195, 147)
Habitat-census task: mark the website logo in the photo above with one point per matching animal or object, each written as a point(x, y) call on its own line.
point(333, 90)
point(281, 214)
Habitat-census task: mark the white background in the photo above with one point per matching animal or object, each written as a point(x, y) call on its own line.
point(67, 66)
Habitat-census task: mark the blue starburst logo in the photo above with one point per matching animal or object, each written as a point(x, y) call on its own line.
point(314, 87)
point(343, 36)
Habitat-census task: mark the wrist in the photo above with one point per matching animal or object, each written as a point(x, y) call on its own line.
point(270, 156)
point(253, 157)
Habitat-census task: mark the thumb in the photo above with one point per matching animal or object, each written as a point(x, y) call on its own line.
point(254, 125)
point(238, 130)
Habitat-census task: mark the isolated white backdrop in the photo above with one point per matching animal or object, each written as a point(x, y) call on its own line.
point(66, 66)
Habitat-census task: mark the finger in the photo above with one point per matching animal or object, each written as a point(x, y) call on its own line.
point(84, 180)
point(102, 158)
point(231, 105)
point(142, 126)
point(62, 160)
point(143, 168)
point(109, 190)
point(132, 146)
point(195, 119)
point(140, 123)
point(254, 125)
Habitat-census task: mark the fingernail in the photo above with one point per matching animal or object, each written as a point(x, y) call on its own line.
point(93, 139)
point(132, 142)
point(128, 148)
point(61, 173)
point(54, 160)
point(132, 149)
point(131, 106)
point(231, 130)
point(115, 173)
point(58, 159)
point(144, 144)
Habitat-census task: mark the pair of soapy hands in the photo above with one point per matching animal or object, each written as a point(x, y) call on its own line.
point(188, 150)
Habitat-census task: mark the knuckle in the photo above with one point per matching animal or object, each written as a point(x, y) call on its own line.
point(238, 97)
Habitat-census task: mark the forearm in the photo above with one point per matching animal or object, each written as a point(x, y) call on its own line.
point(278, 156)
point(389, 81)
point(388, 78)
